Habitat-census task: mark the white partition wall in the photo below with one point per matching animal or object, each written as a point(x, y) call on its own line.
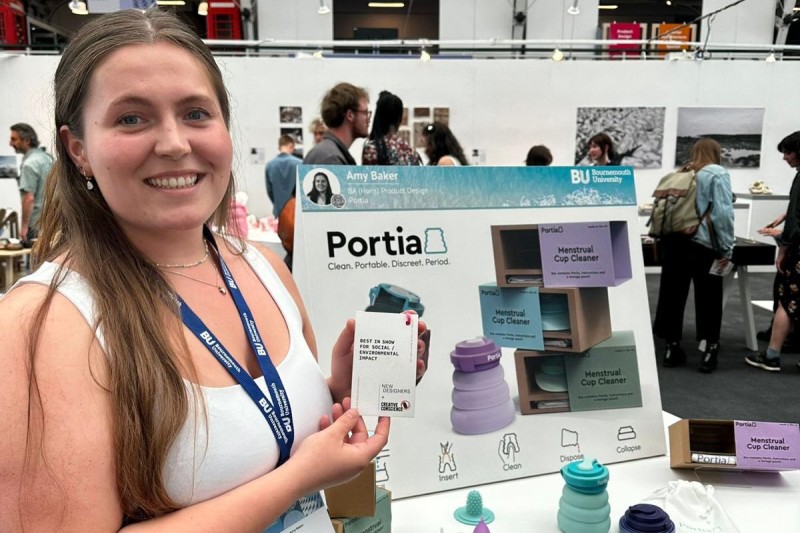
point(501, 107)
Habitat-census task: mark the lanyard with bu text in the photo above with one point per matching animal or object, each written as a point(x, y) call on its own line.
point(278, 413)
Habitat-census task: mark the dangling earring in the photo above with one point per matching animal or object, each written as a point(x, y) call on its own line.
point(89, 184)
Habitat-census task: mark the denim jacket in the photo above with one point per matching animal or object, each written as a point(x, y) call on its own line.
point(714, 187)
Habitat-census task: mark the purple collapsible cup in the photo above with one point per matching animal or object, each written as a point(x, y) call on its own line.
point(475, 355)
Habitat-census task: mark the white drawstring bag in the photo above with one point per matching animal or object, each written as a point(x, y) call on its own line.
point(692, 507)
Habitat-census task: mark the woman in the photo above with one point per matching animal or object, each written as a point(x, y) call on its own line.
point(688, 259)
point(113, 411)
point(384, 146)
point(539, 156)
point(442, 147)
point(601, 150)
point(320, 190)
point(787, 279)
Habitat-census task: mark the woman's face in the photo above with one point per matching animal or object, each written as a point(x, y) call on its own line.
point(595, 151)
point(321, 183)
point(159, 150)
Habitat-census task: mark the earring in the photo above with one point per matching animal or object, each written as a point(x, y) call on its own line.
point(89, 184)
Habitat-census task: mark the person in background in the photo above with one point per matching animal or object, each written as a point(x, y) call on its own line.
point(317, 129)
point(787, 263)
point(36, 166)
point(601, 150)
point(688, 259)
point(145, 345)
point(442, 147)
point(281, 177)
point(345, 110)
point(539, 156)
point(384, 146)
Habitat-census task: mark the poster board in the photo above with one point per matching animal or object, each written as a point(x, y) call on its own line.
point(674, 33)
point(429, 230)
point(624, 31)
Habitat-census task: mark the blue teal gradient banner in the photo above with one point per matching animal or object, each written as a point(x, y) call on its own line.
point(375, 188)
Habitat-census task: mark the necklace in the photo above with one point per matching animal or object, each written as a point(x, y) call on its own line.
point(186, 265)
point(220, 287)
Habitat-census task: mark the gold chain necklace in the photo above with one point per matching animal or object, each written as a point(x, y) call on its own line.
point(186, 265)
point(220, 286)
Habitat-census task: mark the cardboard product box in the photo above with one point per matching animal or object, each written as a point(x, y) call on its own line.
point(355, 498)
point(606, 376)
point(514, 317)
point(380, 523)
point(533, 399)
point(568, 254)
point(585, 254)
point(734, 445)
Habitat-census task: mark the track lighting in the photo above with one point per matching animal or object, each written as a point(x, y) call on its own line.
point(771, 58)
point(78, 7)
point(202, 9)
point(323, 8)
point(573, 9)
point(424, 56)
point(558, 55)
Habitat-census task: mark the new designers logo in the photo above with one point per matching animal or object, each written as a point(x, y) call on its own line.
point(392, 248)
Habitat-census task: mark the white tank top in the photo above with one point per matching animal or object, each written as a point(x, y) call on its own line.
point(236, 444)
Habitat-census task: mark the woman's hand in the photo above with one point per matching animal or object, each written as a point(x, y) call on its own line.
point(342, 448)
point(340, 382)
point(770, 231)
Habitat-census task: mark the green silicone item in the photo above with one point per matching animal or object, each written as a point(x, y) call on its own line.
point(474, 511)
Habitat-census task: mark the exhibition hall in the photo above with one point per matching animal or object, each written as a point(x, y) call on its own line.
point(444, 266)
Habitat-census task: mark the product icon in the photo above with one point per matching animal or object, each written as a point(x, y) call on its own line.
point(508, 448)
point(447, 461)
point(569, 438)
point(626, 433)
point(434, 241)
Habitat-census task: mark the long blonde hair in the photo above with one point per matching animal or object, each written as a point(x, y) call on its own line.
point(704, 152)
point(133, 305)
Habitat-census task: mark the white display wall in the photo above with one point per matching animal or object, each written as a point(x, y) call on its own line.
point(501, 107)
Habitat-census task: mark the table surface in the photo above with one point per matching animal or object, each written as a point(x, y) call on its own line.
point(15, 253)
point(756, 502)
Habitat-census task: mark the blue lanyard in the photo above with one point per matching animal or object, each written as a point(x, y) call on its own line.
point(280, 420)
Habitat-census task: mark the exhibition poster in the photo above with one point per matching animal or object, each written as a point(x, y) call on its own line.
point(531, 283)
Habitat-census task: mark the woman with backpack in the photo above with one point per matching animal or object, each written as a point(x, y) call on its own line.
point(688, 258)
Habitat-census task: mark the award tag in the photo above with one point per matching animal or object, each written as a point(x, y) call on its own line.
point(385, 363)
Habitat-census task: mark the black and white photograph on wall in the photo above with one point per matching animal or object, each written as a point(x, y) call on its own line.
point(291, 115)
point(294, 133)
point(737, 130)
point(422, 112)
point(419, 139)
point(404, 121)
point(442, 114)
point(637, 134)
point(8, 166)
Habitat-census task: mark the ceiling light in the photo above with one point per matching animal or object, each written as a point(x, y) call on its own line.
point(771, 58)
point(171, 2)
point(386, 4)
point(323, 9)
point(202, 9)
point(608, 6)
point(78, 7)
point(558, 55)
point(424, 56)
point(669, 2)
point(318, 54)
point(573, 9)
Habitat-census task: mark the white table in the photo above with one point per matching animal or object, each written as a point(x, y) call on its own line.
point(756, 502)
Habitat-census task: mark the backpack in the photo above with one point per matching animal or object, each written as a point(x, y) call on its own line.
point(675, 205)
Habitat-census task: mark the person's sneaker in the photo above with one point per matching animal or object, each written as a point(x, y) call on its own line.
point(674, 356)
point(761, 361)
point(708, 363)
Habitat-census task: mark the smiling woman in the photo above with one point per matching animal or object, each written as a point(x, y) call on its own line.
point(136, 380)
